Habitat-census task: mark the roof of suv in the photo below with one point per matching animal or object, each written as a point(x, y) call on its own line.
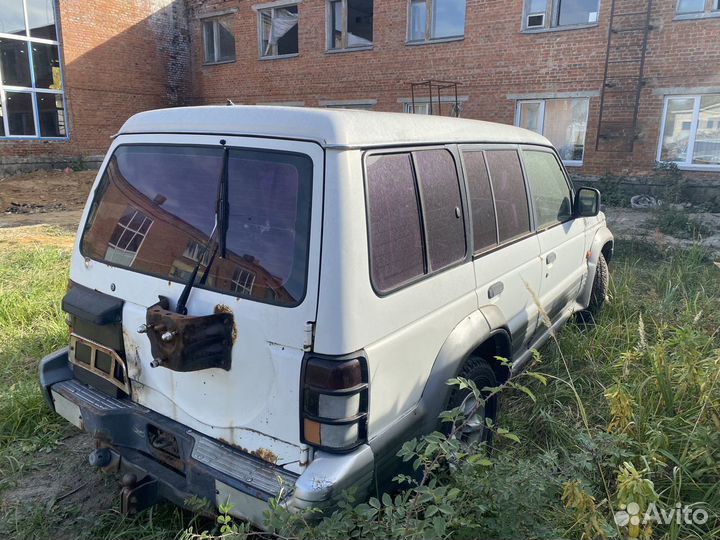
point(328, 127)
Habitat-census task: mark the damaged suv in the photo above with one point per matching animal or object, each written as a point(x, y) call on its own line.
point(266, 302)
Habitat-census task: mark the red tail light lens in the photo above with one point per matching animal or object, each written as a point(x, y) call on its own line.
point(334, 403)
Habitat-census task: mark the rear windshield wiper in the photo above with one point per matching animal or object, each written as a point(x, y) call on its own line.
point(222, 215)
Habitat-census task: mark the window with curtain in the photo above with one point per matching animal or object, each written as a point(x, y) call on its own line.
point(563, 121)
point(32, 100)
point(690, 133)
point(279, 31)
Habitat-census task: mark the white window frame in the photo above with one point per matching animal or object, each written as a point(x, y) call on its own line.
point(215, 21)
point(552, 18)
point(709, 5)
point(344, 39)
point(541, 102)
point(358, 104)
point(687, 164)
point(272, 6)
point(428, 26)
point(246, 285)
point(135, 232)
point(32, 90)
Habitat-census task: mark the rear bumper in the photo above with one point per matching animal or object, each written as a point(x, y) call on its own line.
point(202, 467)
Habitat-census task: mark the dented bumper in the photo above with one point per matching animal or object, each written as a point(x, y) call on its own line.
point(195, 466)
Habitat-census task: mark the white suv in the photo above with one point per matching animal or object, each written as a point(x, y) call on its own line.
point(267, 302)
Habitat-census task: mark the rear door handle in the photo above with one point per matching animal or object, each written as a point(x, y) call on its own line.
point(495, 289)
point(550, 257)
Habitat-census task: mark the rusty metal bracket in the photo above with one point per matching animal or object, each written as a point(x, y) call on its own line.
point(187, 343)
point(116, 363)
point(137, 496)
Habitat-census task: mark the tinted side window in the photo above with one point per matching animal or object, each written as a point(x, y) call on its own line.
point(510, 196)
point(481, 201)
point(549, 190)
point(394, 221)
point(442, 207)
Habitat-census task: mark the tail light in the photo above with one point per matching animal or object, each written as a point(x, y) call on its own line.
point(334, 403)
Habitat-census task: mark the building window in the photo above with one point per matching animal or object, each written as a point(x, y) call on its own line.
point(278, 31)
point(435, 19)
point(698, 8)
point(219, 42)
point(418, 108)
point(32, 102)
point(690, 133)
point(541, 14)
point(361, 105)
point(243, 281)
point(350, 24)
point(127, 237)
point(563, 121)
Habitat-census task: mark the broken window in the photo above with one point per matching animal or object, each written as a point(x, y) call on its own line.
point(350, 24)
point(32, 102)
point(278, 31)
point(219, 42)
point(436, 19)
point(541, 14)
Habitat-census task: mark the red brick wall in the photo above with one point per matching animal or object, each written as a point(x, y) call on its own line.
point(122, 57)
point(494, 60)
point(119, 58)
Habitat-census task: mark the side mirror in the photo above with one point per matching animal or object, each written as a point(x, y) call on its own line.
point(587, 202)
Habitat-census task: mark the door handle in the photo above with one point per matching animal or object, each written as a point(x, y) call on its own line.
point(550, 257)
point(495, 289)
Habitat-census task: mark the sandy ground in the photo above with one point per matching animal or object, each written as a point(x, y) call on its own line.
point(44, 197)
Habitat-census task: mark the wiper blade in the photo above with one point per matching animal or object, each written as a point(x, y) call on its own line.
point(222, 214)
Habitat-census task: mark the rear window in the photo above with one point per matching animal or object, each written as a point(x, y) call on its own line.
point(415, 217)
point(396, 247)
point(154, 212)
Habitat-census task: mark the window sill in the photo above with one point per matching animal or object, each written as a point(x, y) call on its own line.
point(698, 168)
point(573, 163)
point(279, 56)
point(350, 49)
point(695, 16)
point(559, 28)
point(33, 138)
point(434, 41)
point(219, 63)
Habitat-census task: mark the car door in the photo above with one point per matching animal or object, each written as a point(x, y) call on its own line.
point(506, 251)
point(561, 236)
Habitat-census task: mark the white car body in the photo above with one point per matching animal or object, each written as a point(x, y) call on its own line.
point(412, 339)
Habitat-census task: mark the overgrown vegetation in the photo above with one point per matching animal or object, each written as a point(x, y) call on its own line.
point(626, 411)
point(679, 223)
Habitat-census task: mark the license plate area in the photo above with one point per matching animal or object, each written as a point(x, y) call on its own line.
point(100, 360)
point(165, 448)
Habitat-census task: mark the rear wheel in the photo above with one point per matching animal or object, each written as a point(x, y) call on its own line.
point(476, 414)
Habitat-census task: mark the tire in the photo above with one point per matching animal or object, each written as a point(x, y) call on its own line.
point(479, 371)
point(599, 291)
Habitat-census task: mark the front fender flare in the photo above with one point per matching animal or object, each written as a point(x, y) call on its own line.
point(602, 237)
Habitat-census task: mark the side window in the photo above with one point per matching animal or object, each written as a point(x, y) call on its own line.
point(509, 189)
point(481, 201)
point(394, 221)
point(442, 207)
point(549, 190)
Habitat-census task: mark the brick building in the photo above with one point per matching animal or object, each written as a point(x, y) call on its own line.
point(616, 84)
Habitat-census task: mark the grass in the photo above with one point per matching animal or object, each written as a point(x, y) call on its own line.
point(630, 412)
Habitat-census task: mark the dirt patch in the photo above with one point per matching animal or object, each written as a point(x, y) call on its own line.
point(632, 224)
point(47, 197)
point(59, 483)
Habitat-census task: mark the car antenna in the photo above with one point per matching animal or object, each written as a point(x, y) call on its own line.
point(229, 102)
